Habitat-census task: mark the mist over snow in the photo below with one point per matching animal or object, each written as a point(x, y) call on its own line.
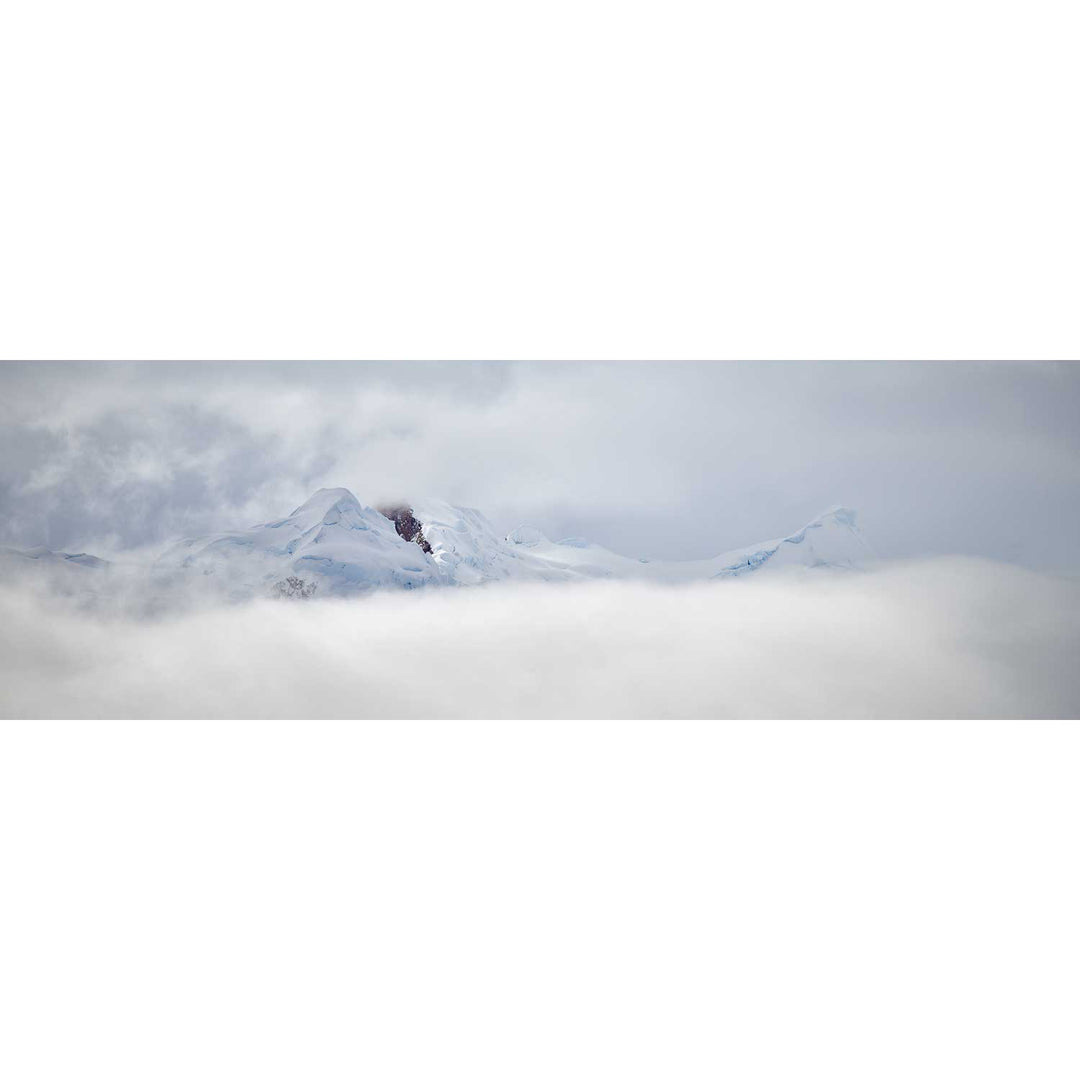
point(948, 637)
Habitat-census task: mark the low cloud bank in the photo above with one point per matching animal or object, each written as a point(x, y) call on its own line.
point(938, 638)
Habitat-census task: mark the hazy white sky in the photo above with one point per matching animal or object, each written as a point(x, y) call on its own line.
point(673, 460)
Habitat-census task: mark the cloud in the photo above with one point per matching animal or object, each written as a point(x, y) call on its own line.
point(935, 638)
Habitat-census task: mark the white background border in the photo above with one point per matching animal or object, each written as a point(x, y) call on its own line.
point(554, 181)
point(233, 179)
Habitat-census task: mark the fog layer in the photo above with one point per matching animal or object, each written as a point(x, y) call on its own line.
point(936, 638)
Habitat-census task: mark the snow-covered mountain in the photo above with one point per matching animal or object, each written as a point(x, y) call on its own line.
point(334, 545)
point(346, 547)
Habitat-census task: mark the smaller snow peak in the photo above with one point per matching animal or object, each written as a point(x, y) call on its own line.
point(408, 528)
point(843, 515)
point(835, 515)
point(574, 542)
point(526, 536)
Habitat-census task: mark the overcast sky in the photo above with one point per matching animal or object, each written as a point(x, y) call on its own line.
point(656, 459)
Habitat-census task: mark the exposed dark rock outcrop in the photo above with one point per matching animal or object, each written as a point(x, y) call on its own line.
point(408, 528)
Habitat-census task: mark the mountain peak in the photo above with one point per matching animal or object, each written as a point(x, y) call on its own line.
point(326, 499)
point(843, 515)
